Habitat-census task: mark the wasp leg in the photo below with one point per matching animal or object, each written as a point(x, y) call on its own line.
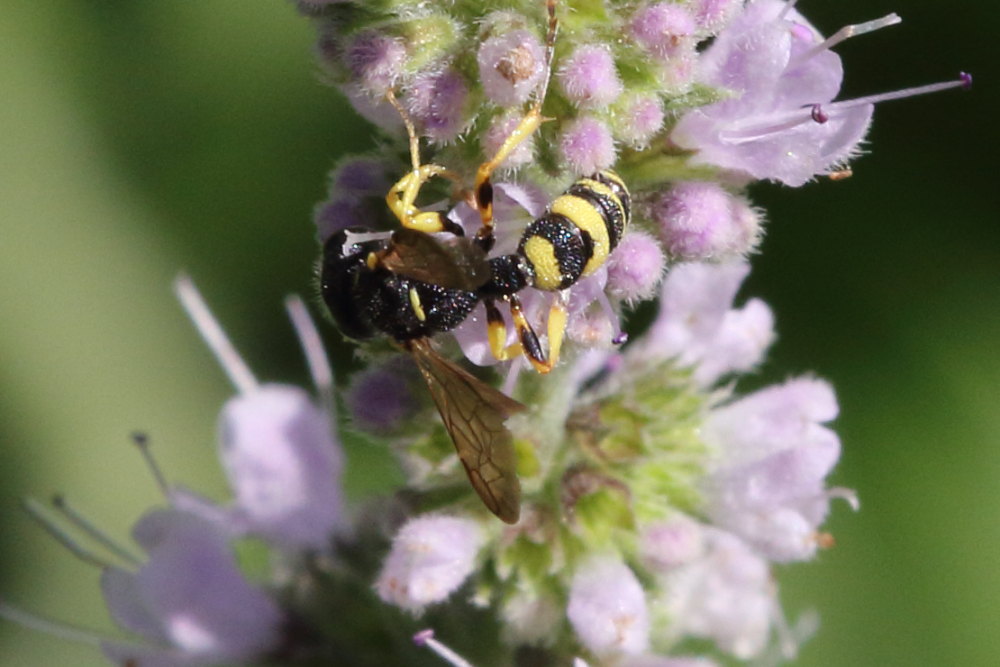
point(496, 330)
point(483, 188)
point(402, 197)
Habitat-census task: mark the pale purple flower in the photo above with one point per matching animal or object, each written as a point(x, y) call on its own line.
point(636, 267)
point(189, 599)
point(437, 104)
point(697, 327)
point(776, 67)
point(531, 618)
point(607, 608)
point(766, 481)
point(711, 15)
point(587, 146)
point(669, 543)
point(279, 453)
point(702, 220)
point(589, 78)
point(726, 596)
point(431, 557)
point(511, 66)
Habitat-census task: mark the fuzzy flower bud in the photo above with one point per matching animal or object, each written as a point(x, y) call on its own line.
point(607, 608)
point(430, 558)
point(663, 28)
point(639, 117)
point(437, 103)
point(510, 67)
point(380, 397)
point(375, 60)
point(589, 78)
point(636, 267)
point(702, 220)
point(587, 146)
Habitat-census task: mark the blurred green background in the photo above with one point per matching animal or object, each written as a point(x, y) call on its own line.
point(138, 139)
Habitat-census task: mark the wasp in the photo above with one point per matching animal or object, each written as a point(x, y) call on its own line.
point(413, 284)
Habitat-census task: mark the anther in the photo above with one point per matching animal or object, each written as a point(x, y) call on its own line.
point(818, 114)
point(141, 440)
point(426, 638)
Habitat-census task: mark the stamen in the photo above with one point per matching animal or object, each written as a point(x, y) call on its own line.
point(88, 527)
point(787, 644)
point(618, 336)
point(312, 347)
point(818, 115)
point(142, 442)
point(513, 373)
point(49, 626)
point(213, 335)
point(426, 638)
point(776, 124)
point(35, 511)
point(850, 495)
point(787, 8)
point(963, 81)
point(843, 34)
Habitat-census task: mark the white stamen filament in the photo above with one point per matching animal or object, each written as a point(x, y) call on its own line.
point(787, 8)
point(426, 638)
point(763, 126)
point(37, 512)
point(849, 495)
point(843, 34)
point(964, 81)
point(50, 627)
point(312, 347)
point(213, 335)
point(93, 531)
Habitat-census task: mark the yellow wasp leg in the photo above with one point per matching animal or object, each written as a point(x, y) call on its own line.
point(483, 188)
point(402, 197)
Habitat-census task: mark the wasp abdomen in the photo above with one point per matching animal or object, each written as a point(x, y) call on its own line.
point(556, 249)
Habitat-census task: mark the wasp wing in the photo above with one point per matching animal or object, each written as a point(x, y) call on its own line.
point(473, 414)
point(459, 264)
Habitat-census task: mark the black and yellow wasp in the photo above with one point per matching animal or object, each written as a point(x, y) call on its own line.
point(412, 285)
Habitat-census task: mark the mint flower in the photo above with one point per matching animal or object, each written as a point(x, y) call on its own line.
point(189, 601)
point(648, 499)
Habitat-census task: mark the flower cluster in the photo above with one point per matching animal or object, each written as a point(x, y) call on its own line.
point(656, 494)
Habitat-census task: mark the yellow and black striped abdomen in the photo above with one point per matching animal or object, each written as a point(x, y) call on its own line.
point(582, 226)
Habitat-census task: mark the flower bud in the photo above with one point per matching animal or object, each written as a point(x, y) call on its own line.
point(702, 220)
point(589, 78)
point(635, 267)
point(510, 67)
point(587, 146)
point(430, 557)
